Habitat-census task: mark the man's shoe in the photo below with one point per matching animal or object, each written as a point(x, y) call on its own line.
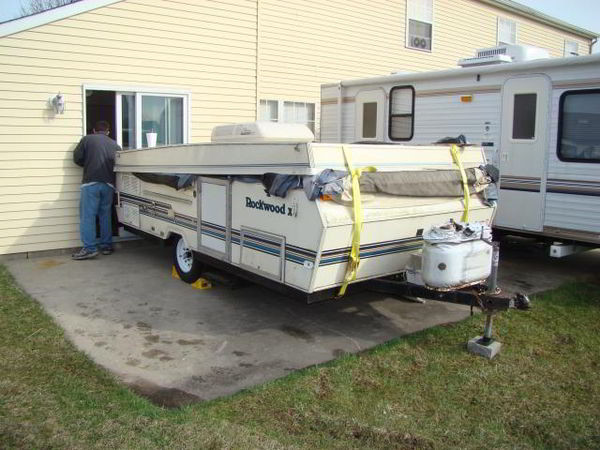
point(84, 253)
point(107, 250)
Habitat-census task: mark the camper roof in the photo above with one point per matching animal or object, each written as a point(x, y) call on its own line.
point(459, 72)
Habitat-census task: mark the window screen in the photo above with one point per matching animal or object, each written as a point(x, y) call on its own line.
point(524, 116)
point(507, 31)
point(288, 112)
point(369, 125)
point(571, 48)
point(402, 102)
point(579, 126)
point(269, 110)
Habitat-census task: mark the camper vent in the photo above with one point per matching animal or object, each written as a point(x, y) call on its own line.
point(504, 54)
point(130, 184)
point(491, 52)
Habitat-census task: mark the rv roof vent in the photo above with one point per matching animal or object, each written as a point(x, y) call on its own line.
point(491, 51)
point(504, 54)
point(262, 131)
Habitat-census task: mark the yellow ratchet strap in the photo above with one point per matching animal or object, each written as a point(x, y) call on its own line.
point(463, 175)
point(354, 258)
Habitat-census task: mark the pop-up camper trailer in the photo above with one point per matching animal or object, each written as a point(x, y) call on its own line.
point(266, 201)
point(537, 118)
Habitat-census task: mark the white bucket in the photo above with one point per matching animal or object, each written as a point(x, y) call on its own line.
point(151, 139)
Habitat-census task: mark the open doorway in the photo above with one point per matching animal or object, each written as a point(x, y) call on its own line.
point(100, 105)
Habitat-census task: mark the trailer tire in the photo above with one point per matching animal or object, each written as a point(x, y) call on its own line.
point(187, 266)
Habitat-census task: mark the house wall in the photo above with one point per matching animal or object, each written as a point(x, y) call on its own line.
point(228, 54)
point(207, 48)
point(302, 47)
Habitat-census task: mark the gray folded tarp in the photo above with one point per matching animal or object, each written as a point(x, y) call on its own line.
point(420, 183)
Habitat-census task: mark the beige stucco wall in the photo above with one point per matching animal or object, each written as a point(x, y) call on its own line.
point(208, 48)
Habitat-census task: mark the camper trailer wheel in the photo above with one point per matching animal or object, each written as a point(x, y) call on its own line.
point(188, 268)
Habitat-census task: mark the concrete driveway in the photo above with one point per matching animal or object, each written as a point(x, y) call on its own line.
point(176, 344)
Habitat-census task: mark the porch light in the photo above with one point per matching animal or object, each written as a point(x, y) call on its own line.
point(58, 103)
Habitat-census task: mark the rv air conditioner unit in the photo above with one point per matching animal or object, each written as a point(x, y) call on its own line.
point(504, 54)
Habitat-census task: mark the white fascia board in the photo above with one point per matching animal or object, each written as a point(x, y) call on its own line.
point(51, 15)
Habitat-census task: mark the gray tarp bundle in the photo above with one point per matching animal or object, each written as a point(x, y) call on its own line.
point(173, 180)
point(416, 183)
point(428, 183)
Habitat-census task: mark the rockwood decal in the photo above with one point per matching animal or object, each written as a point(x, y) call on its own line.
point(268, 207)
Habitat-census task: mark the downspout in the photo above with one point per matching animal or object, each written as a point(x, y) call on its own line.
point(592, 42)
point(339, 105)
point(256, 64)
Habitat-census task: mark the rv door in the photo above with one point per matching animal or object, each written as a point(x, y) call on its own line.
point(523, 145)
point(369, 115)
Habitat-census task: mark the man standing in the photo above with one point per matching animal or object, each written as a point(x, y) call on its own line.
point(96, 154)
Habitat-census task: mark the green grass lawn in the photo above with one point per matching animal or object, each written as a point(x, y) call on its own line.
point(419, 391)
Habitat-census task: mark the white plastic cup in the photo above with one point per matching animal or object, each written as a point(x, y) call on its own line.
point(151, 139)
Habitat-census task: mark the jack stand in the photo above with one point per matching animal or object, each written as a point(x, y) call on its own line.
point(484, 345)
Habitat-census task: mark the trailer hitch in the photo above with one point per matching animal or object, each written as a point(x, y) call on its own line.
point(473, 296)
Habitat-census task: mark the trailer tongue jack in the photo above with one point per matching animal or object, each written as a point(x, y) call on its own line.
point(473, 296)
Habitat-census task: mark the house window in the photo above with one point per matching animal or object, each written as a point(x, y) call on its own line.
point(402, 111)
point(524, 116)
point(419, 14)
point(164, 116)
point(132, 115)
point(269, 110)
point(571, 48)
point(283, 111)
point(507, 31)
point(579, 126)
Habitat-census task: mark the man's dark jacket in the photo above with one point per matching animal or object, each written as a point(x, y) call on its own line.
point(96, 154)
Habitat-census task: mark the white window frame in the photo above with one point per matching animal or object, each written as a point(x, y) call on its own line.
point(407, 29)
point(267, 100)
point(280, 109)
point(139, 91)
point(498, 42)
point(568, 53)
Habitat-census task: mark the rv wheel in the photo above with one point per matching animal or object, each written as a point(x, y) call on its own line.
point(188, 268)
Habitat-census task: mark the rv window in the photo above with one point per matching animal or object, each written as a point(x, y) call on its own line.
point(579, 126)
point(369, 128)
point(524, 116)
point(402, 111)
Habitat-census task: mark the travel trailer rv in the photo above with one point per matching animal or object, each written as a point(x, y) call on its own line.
point(537, 118)
point(212, 200)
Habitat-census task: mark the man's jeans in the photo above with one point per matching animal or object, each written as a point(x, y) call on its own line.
point(96, 200)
